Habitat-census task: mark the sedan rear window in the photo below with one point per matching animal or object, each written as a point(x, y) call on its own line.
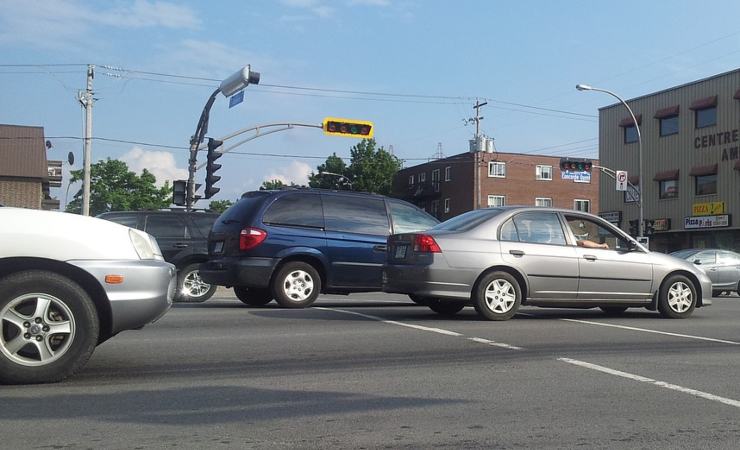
point(469, 220)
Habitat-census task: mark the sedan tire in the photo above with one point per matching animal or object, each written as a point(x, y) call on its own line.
point(190, 286)
point(296, 285)
point(253, 297)
point(445, 307)
point(48, 327)
point(497, 296)
point(677, 297)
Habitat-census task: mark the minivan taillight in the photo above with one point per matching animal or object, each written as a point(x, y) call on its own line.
point(423, 243)
point(249, 238)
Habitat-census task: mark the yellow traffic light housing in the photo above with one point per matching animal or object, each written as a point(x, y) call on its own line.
point(335, 126)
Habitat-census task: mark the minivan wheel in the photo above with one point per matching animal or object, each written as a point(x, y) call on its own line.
point(48, 327)
point(497, 296)
point(418, 300)
point(677, 298)
point(190, 286)
point(445, 307)
point(253, 297)
point(296, 285)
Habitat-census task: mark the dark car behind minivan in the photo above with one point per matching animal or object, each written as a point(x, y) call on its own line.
point(291, 245)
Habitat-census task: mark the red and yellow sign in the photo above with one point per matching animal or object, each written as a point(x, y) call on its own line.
point(708, 209)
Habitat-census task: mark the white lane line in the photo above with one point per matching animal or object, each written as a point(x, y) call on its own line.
point(493, 343)
point(393, 322)
point(624, 327)
point(663, 384)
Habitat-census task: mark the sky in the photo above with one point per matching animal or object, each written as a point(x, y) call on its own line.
point(415, 68)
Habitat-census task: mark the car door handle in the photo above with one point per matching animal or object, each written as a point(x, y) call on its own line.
point(180, 245)
point(380, 248)
point(589, 257)
point(516, 252)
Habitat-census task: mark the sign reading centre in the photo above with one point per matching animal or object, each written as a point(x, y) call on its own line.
point(722, 220)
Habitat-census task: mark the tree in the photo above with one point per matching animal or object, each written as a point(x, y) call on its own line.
point(219, 206)
point(371, 169)
point(272, 185)
point(115, 188)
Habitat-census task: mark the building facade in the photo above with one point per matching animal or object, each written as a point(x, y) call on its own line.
point(691, 164)
point(451, 186)
point(25, 173)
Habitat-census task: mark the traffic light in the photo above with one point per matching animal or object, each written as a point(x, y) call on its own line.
point(575, 165)
point(212, 167)
point(648, 227)
point(634, 231)
point(179, 192)
point(335, 126)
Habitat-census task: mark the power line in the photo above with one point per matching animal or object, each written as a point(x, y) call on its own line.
point(43, 65)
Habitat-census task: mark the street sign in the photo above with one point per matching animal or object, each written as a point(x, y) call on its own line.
point(236, 98)
point(621, 180)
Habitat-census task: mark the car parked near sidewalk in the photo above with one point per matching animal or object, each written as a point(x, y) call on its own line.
point(501, 258)
point(67, 284)
point(721, 266)
point(183, 238)
point(290, 245)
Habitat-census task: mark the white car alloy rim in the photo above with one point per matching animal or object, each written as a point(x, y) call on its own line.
point(298, 285)
point(36, 329)
point(500, 296)
point(680, 297)
point(193, 285)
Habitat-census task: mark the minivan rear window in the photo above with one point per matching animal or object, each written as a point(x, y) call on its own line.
point(239, 212)
point(297, 210)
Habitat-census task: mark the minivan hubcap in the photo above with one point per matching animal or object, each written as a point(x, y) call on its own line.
point(36, 329)
point(298, 285)
point(193, 285)
point(500, 296)
point(680, 297)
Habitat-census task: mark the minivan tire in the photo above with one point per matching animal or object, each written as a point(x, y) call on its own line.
point(253, 297)
point(296, 285)
point(671, 287)
point(487, 297)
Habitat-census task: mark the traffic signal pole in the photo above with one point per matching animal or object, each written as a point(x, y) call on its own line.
point(200, 132)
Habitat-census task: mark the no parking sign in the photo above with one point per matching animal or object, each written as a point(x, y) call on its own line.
point(621, 180)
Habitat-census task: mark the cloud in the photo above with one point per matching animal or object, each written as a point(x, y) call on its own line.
point(297, 172)
point(58, 24)
point(316, 7)
point(161, 164)
point(370, 2)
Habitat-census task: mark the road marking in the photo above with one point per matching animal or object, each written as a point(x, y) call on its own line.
point(663, 384)
point(624, 327)
point(393, 322)
point(495, 344)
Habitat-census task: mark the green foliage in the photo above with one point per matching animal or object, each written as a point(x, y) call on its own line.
point(371, 169)
point(272, 185)
point(219, 206)
point(115, 188)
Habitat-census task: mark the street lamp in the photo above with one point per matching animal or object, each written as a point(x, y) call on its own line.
point(340, 177)
point(228, 87)
point(585, 87)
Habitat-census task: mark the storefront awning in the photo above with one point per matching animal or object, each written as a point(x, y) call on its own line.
point(628, 122)
point(667, 112)
point(737, 95)
point(704, 103)
point(635, 179)
point(699, 171)
point(666, 175)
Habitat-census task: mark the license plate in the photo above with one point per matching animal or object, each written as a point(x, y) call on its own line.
point(400, 252)
point(218, 247)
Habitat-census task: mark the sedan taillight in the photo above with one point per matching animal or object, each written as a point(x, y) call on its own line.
point(424, 243)
point(249, 238)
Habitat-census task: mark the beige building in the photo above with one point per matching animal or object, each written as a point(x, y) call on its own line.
point(25, 173)
point(691, 164)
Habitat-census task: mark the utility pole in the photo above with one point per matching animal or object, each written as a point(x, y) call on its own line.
point(86, 100)
point(478, 142)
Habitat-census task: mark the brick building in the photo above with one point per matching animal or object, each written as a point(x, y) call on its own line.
point(450, 186)
point(25, 173)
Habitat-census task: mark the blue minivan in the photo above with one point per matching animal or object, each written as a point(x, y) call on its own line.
point(291, 245)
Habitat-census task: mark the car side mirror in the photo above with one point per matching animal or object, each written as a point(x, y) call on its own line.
point(697, 262)
point(631, 245)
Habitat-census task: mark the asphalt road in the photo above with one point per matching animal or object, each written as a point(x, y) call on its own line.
point(376, 371)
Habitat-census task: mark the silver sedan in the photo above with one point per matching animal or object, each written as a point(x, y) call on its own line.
point(501, 258)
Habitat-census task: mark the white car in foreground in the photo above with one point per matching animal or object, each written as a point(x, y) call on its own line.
point(68, 283)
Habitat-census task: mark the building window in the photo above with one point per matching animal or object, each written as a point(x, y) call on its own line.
point(496, 200)
point(447, 205)
point(706, 117)
point(411, 180)
point(543, 202)
point(630, 134)
point(582, 205)
point(669, 126)
point(435, 207)
point(543, 172)
point(668, 189)
point(706, 184)
point(435, 179)
point(497, 169)
point(422, 177)
point(448, 173)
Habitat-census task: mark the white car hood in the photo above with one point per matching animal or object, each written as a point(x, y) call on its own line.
point(62, 236)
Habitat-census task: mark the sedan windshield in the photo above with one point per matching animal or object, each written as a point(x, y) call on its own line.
point(683, 254)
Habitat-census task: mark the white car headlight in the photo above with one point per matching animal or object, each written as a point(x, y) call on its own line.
point(145, 245)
